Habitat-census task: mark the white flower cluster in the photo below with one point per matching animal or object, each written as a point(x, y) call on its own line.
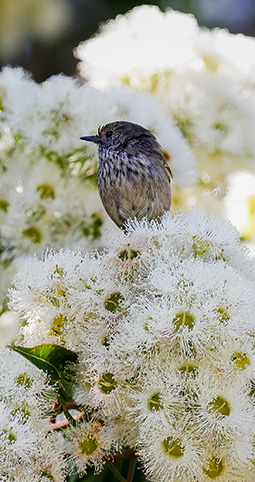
point(205, 78)
point(163, 325)
point(27, 453)
point(48, 175)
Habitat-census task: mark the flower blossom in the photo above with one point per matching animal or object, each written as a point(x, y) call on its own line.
point(163, 325)
point(204, 78)
point(48, 194)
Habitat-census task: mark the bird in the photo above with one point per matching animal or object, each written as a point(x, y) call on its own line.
point(134, 179)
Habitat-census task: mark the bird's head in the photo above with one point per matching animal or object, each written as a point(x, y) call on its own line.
point(123, 135)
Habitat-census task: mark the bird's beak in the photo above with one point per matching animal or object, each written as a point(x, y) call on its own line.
point(95, 139)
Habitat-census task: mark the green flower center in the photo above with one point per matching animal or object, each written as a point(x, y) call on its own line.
point(251, 204)
point(11, 436)
point(128, 254)
point(224, 316)
point(58, 323)
point(241, 360)
point(183, 319)
point(45, 473)
point(215, 468)
point(24, 379)
point(113, 302)
point(22, 412)
point(46, 191)
point(188, 369)
point(154, 403)
point(210, 62)
point(200, 246)
point(4, 205)
point(219, 405)
point(219, 126)
point(173, 448)
point(107, 383)
point(33, 234)
point(87, 444)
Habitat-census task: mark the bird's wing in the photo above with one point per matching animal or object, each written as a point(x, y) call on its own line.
point(168, 170)
point(165, 165)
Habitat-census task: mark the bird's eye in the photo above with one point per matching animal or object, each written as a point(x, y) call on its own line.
point(108, 134)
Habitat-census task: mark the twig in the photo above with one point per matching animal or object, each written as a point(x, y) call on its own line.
point(116, 472)
point(131, 470)
point(62, 423)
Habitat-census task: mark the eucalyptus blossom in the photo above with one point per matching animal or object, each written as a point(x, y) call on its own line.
point(48, 193)
point(162, 324)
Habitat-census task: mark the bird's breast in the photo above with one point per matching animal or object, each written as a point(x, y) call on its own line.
point(132, 186)
point(118, 168)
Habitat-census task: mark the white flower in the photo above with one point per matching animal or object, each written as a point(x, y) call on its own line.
point(204, 78)
point(235, 357)
point(170, 455)
point(42, 207)
point(232, 55)
point(60, 110)
point(23, 388)
point(223, 408)
point(9, 327)
point(150, 41)
point(89, 444)
point(18, 440)
point(240, 203)
point(47, 463)
point(163, 324)
point(47, 195)
point(26, 451)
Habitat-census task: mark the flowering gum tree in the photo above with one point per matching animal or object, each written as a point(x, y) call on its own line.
point(148, 348)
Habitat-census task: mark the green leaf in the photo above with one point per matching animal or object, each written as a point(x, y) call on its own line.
point(65, 390)
point(53, 359)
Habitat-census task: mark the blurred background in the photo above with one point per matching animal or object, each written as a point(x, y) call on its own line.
point(40, 35)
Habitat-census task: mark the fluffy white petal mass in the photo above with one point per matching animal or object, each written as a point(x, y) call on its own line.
point(163, 324)
point(48, 194)
point(204, 78)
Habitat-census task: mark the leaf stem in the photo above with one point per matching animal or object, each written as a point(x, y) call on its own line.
point(116, 472)
point(131, 470)
point(130, 474)
point(70, 419)
point(73, 406)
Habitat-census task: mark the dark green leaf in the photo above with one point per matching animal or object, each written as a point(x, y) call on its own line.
point(53, 359)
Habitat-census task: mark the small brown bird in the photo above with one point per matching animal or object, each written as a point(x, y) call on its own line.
point(133, 176)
